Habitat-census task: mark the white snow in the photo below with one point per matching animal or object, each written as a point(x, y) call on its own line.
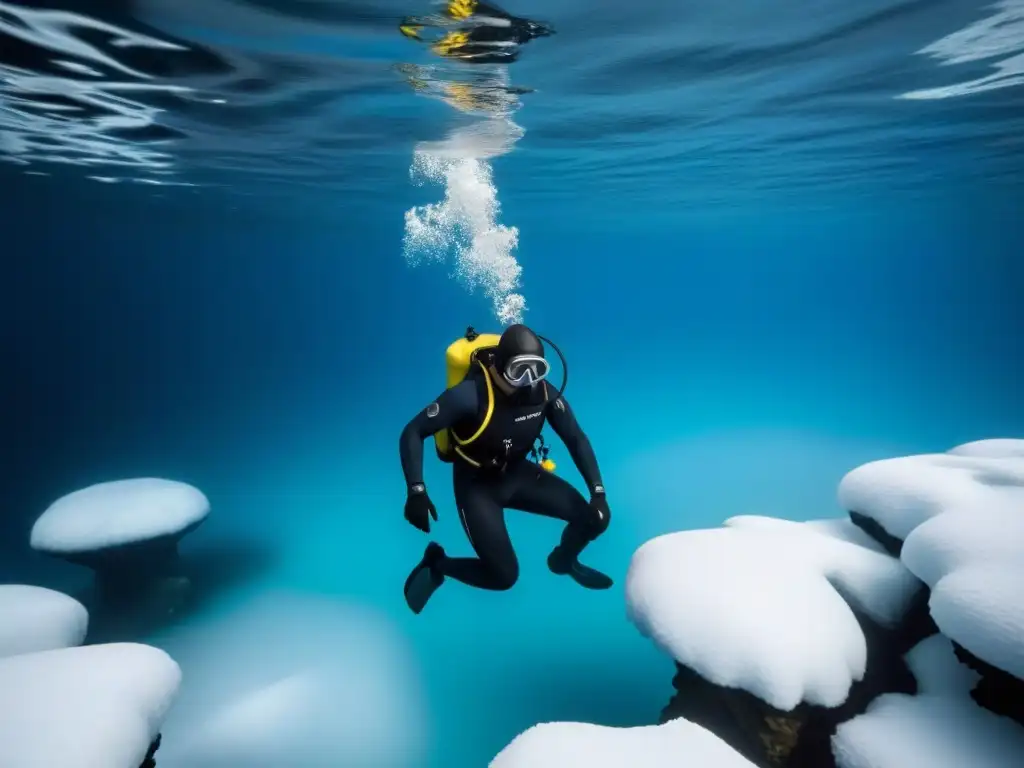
point(37, 619)
point(741, 615)
point(902, 493)
point(676, 744)
point(961, 516)
point(982, 608)
point(97, 706)
point(294, 680)
point(118, 512)
point(870, 579)
point(965, 537)
point(937, 669)
point(996, 448)
point(898, 731)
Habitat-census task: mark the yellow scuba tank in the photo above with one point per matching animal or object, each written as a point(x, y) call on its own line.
point(460, 355)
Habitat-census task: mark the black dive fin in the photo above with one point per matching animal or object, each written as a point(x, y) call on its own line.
point(589, 578)
point(583, 575)
point(421, 584)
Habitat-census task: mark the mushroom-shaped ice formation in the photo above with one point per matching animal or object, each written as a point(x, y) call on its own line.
point(127, 531)
point(97, 705)
point(38, 619)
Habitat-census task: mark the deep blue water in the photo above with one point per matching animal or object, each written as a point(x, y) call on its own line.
point(765, 263)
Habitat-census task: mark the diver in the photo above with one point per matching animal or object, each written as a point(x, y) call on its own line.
point(487, 424)
point(487, 35)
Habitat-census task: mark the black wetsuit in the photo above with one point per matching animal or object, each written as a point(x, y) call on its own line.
point(506, 477)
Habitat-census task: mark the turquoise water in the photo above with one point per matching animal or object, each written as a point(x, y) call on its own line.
point(764, 265)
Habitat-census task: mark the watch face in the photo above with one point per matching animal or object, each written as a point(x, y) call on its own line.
point(417, 488)
point(598, 489)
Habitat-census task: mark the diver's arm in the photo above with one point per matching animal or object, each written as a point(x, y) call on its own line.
point(449, 409)
point(562, 420)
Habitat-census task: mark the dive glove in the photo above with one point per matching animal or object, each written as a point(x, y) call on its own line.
point(599, 505)
point(419, 508)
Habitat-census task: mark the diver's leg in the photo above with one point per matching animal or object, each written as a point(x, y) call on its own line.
point(483, 518)
point(543, 493)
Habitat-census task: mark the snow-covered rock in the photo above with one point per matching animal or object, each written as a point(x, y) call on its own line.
point(982, 609)
point(994, 448)
point(870, 580)
point(755, 605)
point(676, 744)
point(961, 518)
point(899, 731)
point(116, 513)
point(770, 623)
point(37, 619)
point(97, 706)
point(938, 671)
point(902, 493)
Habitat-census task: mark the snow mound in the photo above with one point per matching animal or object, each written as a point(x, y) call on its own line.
point(870, 579)
point(937, 669)
point(962, 521)
point(934, 731)
point(36, 619)
point(982, 609)
point(116, 513)
point(292, 680)
point(900, 494)
point(676, 744)
point(97, 706)
point(962, 538)
point(741, 615)
point(998, 448)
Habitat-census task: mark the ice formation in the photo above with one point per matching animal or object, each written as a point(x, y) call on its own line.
point(961, 517)
point(96, 706)
point(116, 513)
point(901, 493)
point(899, 731)
point(755, 605)
point(37, 619)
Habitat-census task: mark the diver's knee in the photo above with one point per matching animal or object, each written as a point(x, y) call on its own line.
point(505, 575)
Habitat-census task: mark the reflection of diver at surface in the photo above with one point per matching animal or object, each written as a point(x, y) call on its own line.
point(483, 33)
point(485, 94)
point(487, 424)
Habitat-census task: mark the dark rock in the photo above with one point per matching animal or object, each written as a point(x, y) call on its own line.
point(150, 761)
point(997, 691)
point(874, 529)
point(759, 732)
point(801, 738)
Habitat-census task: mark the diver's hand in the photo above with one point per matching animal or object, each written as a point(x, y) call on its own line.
point(419, 508)
point(599, 506)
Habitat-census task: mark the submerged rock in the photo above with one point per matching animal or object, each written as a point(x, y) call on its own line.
point(799, 737)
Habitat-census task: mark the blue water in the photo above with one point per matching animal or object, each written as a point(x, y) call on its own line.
point(773, 242)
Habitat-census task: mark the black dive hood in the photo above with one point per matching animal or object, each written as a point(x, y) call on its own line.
point(472, 334)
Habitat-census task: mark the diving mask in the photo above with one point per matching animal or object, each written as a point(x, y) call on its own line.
point(526, 370)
